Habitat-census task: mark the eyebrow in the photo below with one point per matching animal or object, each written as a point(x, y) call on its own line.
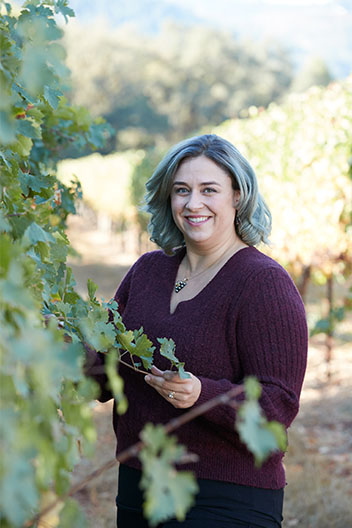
point(202, 183)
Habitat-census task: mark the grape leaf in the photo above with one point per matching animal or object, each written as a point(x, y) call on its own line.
point(168, 493)
point(52, 96)
point(34, 234)
point(115, 381)
point(125, 339)
point(167, 350)
point(143, 348)
point(92, 289)
point(261, 437)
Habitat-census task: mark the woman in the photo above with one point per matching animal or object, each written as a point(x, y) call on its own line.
point(232, 312)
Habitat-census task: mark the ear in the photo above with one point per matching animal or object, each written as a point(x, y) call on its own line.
point(236, 198)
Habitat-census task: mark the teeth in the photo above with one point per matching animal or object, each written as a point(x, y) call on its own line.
point(198, 219)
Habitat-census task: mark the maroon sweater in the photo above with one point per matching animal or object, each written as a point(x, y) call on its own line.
point(249, 320)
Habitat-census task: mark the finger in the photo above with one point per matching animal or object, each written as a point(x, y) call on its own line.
point(156, 371)
point(154, 381)
point(171, 375)
point(159, 382)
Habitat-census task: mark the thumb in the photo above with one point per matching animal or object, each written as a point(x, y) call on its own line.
point(156, 371)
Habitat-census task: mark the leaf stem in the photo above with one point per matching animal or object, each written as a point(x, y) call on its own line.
point(10, 215)
point(131, 367)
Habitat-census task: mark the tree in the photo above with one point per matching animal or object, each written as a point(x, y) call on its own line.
point(174, 82)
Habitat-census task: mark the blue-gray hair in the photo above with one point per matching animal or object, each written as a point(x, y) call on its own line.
point(253, 218)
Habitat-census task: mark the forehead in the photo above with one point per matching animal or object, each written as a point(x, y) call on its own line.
point(200, 167)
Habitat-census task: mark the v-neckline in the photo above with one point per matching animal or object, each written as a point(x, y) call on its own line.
point(180, 256)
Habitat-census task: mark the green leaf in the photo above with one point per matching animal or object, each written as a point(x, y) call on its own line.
point(59, 251)
point(279, 432)
point(126, 339)
point(7, 128)
point(62, 7)
point(262, 438)
point(92, 288)
point(4, 223)
point(52, 96)
point(71, 515)
point(4, 159)
point(252, 388)
point(34, 234)
point(168, 493)
point(23, 146)
point(26, 128)
point(143, 348)
point(17, 487)
point(34, 182)
point(181, 371)
point(115, 381)
point(167, 350)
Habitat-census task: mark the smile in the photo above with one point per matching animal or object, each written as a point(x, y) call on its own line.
point(197, 219)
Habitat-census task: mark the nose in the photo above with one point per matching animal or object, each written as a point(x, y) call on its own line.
point(194, 201)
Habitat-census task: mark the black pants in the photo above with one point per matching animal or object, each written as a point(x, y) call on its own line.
point(218, 505)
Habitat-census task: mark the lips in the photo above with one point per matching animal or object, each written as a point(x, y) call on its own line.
point(196, 220)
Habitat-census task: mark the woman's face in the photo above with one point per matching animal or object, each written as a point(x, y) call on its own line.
point(203, 203)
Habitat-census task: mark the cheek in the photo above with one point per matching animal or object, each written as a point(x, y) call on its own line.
point(176, 204)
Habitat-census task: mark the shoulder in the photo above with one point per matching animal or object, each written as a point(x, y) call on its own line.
point(252, 264)
point(261, 277)
point(149, 264)
point(155, 263)
point(153, 258)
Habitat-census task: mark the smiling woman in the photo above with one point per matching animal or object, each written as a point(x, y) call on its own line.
point(232, 312)
point(219, 158)
point(203, 204)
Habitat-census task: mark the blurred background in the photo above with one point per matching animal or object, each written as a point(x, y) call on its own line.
point(273, 77)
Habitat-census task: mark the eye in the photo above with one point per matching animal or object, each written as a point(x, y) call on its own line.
point(209, 190)
point(180, 190)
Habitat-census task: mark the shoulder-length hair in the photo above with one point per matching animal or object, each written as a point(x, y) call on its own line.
point(253, 218)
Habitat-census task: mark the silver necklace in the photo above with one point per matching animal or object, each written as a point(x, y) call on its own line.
point(182, 283)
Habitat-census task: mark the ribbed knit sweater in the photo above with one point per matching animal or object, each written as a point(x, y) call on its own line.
point(248, 320)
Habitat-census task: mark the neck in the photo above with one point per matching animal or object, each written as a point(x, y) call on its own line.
point(199, 258)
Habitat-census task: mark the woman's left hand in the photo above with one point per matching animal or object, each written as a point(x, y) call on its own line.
point(181, 393)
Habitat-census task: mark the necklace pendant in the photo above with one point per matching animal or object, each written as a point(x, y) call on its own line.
point(179, 285)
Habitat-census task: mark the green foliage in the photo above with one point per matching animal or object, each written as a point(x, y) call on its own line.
point(167, 350)
point(45, 404)
point(168, 493)
point(260, 436)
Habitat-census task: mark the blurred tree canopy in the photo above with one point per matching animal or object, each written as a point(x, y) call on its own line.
point(313, 72)
point(168, 85)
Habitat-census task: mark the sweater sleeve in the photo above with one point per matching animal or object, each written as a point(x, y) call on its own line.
point(94, 366)
point(271, 337)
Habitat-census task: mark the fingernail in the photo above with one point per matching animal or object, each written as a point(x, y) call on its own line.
point(147, 378)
